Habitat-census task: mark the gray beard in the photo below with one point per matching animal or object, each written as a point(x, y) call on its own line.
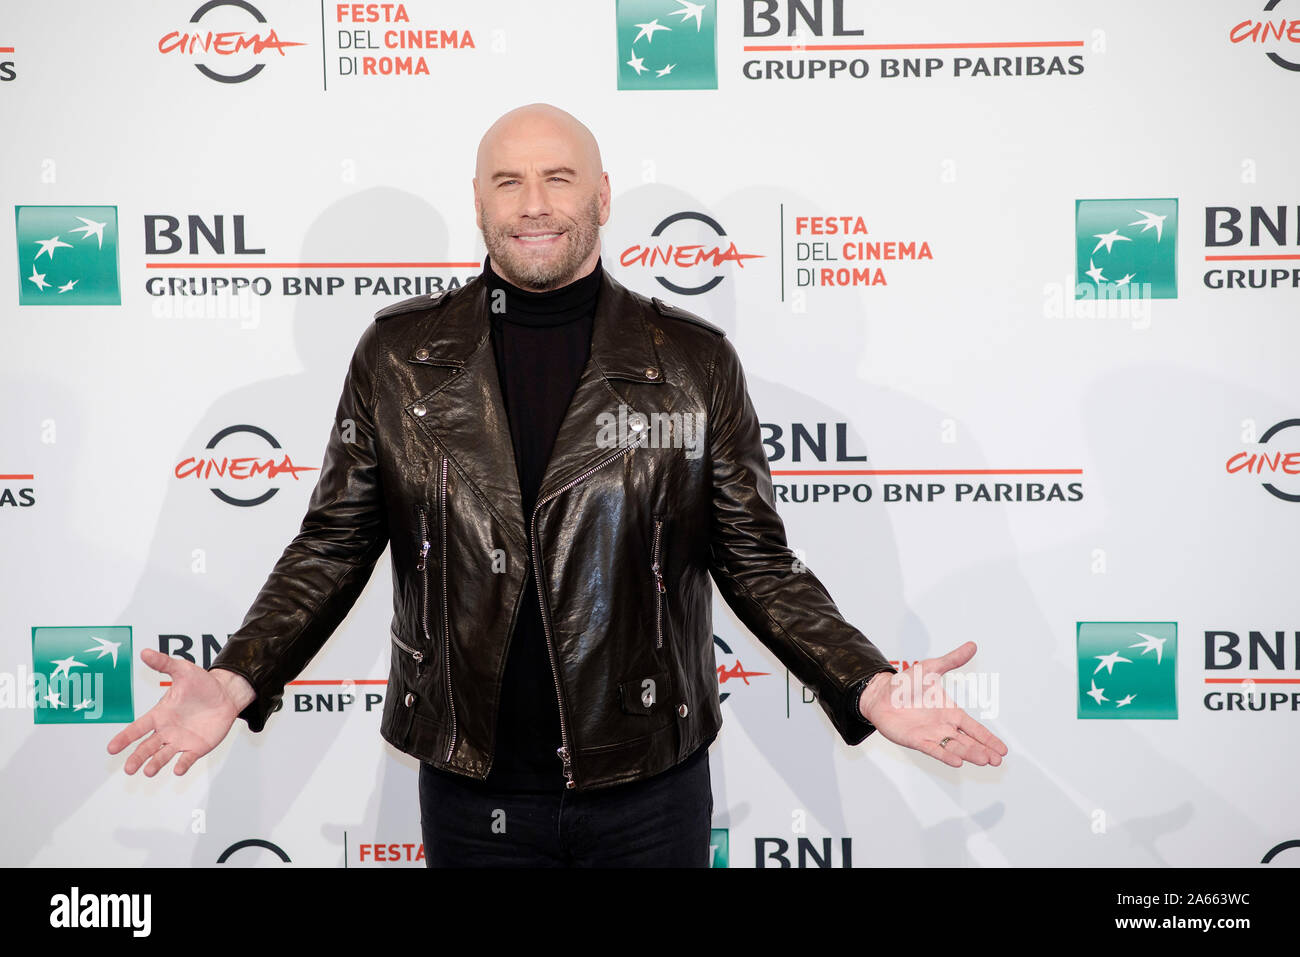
point(582, 237)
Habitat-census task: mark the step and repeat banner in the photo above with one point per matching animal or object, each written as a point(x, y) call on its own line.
point(1017, 290)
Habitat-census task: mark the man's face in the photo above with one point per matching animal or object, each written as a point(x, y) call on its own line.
point(541, 207)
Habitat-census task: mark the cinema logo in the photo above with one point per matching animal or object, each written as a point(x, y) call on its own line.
point(1278, 37)
point(126, 911)
point(254, 850)
point(1271, 854)
point(809, 466)
point(687, 253)
point(841, 251)
point(219, 39)
point(1262, 239)
point(730, 669)
point(246, 475)
point(1277, 465)
point(1259, 673)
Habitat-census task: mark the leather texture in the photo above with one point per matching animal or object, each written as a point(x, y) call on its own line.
point(420, 460)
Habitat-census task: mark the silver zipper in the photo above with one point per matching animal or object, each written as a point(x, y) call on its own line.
point(659, 587)
point(563, 750)
point(414, 653)
point(446, 631)
point(420, 566)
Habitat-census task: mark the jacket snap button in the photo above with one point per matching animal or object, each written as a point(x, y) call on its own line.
point(421, 354)
point(636, 423)
point(652, 373)
point(410, 699)
point(419, 409)
point(681, 709)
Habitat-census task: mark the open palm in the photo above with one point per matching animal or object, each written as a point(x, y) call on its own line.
point(192, 718)
point(913, 709)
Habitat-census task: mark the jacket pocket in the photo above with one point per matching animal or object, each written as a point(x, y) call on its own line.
point(647, 695)
point(415, 653)
point(656, 569)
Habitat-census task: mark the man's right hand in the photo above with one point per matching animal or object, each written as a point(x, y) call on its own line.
point(192, 718)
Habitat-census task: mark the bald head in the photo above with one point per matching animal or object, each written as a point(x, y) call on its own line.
point(536, 128)
point(541, 197)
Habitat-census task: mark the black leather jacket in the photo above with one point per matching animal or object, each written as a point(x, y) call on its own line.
point(625, 534)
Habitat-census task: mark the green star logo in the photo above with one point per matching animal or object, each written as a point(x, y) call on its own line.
point(67, 256)
point(1128, 669)
point(719, 850)
point(82, 675)
point(667, 45)
point(1126, 248)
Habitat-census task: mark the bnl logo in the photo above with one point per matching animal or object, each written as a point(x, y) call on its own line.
point(1127, 669)
point(67, 256)
point(719, 847)
point(777, 850)
point(667, 45)
point(82, 675)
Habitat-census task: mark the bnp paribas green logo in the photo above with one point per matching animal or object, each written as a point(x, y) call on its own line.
point(1128, 669)
point(719, 849)
point(1126, 248)
point(67, 256)
point(82, 675)
point(667, 45)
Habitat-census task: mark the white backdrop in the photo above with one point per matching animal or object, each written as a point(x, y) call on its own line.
point(975, 356)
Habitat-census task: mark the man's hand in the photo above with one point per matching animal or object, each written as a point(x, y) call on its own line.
point(191, 719)
point(912, 708)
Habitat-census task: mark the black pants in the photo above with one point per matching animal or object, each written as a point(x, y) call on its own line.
point(661, 821)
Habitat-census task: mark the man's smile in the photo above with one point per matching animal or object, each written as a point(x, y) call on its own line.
point(537, 237)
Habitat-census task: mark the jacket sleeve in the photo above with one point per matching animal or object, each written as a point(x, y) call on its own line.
point(777, 598)
point(322, 571)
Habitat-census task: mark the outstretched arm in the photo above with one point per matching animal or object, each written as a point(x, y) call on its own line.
point(914, 709)
point(784, 604)
point(777, 597)
point(311, 588)
point(322, 571)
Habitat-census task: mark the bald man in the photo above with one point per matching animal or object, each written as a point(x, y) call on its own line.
point(541, 196)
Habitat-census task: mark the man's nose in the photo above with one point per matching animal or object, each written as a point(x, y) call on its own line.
point(536, 200)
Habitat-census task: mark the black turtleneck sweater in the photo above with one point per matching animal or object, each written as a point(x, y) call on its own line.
point(542, 341)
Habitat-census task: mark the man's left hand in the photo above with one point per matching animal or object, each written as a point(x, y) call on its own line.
point(912, 708)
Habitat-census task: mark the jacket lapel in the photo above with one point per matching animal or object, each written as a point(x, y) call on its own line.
point(466, 416)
